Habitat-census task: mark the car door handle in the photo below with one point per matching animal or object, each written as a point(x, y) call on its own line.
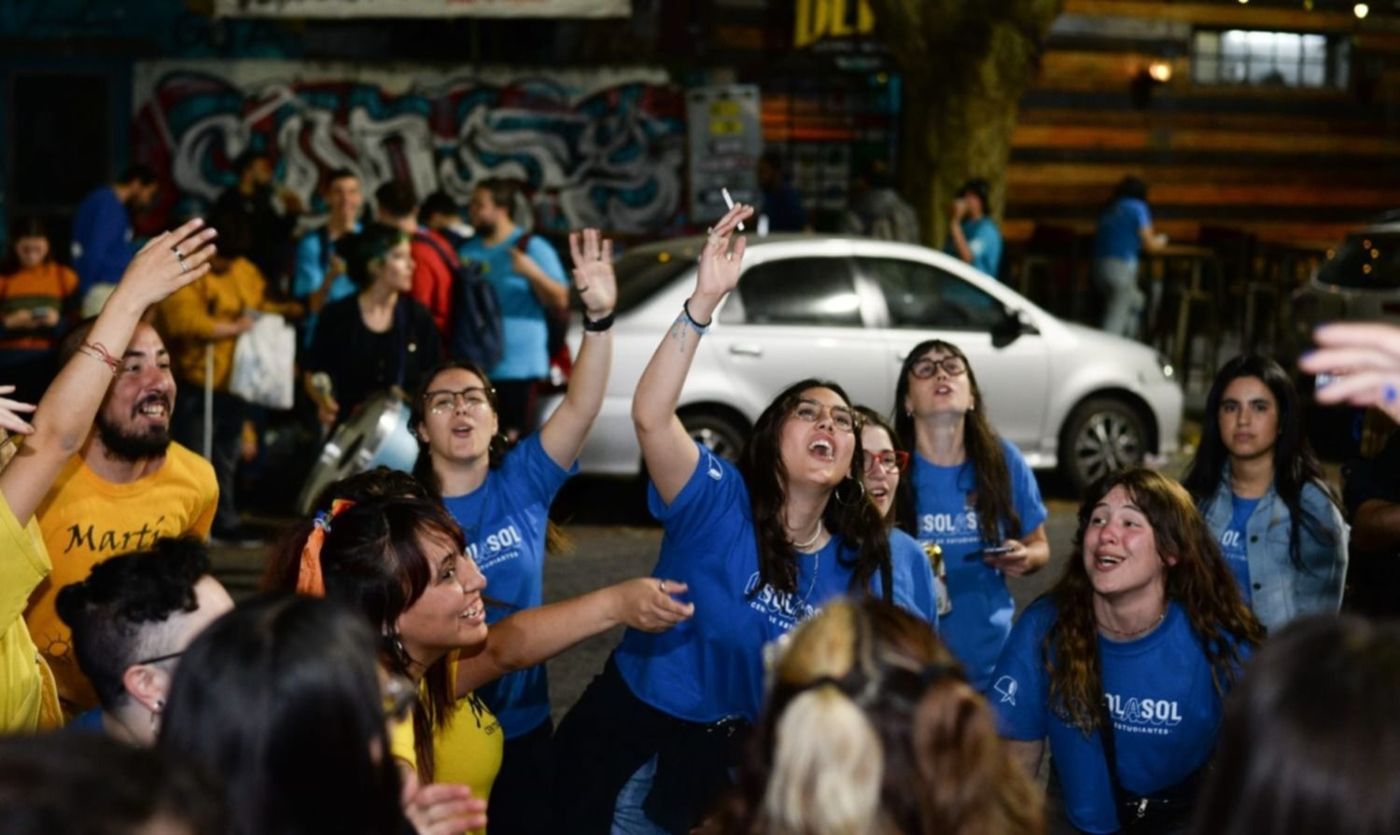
point(746, 349)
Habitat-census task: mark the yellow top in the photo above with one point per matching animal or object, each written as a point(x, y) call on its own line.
point(28, 699)
point(86, 519)
point(467, 751)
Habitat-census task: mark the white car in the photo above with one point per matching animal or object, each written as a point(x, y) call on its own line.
point(849, 310)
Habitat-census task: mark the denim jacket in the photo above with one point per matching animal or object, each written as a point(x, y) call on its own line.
point(1279, 591)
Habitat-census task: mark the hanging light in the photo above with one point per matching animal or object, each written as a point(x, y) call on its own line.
point(1160, 70)
point(1361, 10)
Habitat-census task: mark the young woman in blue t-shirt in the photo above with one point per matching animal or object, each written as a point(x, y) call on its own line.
point(1123, 666)
point(972, 495)
point(1262, 492)
point(1124, 230)
point(761, 547)
point(501, 498)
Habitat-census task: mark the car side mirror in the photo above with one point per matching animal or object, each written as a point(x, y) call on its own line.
point(1010, 328)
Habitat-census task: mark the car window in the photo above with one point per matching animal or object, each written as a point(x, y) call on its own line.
point(922, 296)
point(641, 273)
point(1365, 261)
point(800, 291)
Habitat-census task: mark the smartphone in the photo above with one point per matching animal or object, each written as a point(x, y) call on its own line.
point(522, 242)
point(996, 551)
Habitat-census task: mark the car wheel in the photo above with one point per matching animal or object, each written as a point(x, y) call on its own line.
point(1102, 436)
point(720, 432)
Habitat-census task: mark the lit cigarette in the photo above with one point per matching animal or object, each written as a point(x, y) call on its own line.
point(729, 201)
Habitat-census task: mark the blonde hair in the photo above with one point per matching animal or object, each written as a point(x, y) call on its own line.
point(871, 727)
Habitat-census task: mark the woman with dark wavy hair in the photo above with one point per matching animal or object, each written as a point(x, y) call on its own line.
point(1125, 664)
point(871, 727)
point(973, 497)
point(501, 498)
point(1263, 494)
point(760, 546)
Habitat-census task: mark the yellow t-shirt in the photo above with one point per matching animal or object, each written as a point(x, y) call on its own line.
point(467, 752)
point(85, 520)
point(28, 700)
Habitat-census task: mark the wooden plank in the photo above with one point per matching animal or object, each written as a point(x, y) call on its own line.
point(1105, 175)
point(1157, 120)
point(1125, 138)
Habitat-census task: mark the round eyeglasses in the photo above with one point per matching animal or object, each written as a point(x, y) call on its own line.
point(927, 367)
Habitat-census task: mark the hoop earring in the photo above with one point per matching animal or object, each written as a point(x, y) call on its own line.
point(859, 487)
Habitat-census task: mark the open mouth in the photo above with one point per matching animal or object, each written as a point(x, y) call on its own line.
point(943, 390)
point(157, 406)
point(1106, 561)
point(474, 613)
point(823, 449)
point(461, 431)
point(878, 492)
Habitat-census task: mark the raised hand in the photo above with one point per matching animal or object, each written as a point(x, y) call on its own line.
point(593, 272)
point(721, 259)
point(646, 603)
point(168, 262)
point(1363, 360)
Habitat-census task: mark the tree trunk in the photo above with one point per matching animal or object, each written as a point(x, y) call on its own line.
point(964, 66)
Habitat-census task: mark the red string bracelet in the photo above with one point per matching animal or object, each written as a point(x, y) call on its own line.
point(99, 352)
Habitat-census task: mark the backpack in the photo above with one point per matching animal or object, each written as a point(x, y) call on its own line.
point(476, 332)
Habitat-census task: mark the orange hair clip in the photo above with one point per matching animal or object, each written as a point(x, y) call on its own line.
point(310, 581)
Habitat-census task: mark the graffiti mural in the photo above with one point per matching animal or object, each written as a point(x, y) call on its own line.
point(601, 149)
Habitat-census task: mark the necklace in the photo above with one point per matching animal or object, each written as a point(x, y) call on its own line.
point(1136, 632)
point(816, 535)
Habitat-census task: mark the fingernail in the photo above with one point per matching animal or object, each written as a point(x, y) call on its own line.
point(1391, 393)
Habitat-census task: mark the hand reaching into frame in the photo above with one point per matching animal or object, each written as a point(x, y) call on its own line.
point(593, 272)
point(721, 260)
point(1361, 362)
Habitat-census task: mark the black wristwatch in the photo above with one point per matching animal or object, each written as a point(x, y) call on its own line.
point(597, 325)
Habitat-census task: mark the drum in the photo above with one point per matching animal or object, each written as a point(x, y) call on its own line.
point(376, 435)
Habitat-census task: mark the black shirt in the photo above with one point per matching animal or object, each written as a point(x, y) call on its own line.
point(361, 362)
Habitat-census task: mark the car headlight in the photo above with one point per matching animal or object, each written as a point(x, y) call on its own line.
point(1165, 364)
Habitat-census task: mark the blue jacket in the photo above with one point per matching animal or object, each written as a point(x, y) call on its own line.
point(1281, 592)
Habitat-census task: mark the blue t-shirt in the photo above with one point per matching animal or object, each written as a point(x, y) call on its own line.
point(313, 256)
point(1119, 231)
point(505, 520)
point(1234, 539)
point(980, 620)
point(914, 586)
point(984, 241)
point(526, 354)
point(1165, 712)
point(101, 239)
point(711, 666)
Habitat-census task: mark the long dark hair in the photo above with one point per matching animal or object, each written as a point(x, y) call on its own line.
point(901, 491)
point(996, 512)
point(871, 726)
point(418, 414)
point(852, 516)
point(1295, 465)
point(1199, 580)
point(281, 698)
point(1310, 742)
point(372, 561)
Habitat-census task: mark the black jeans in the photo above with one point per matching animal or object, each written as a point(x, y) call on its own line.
point(518, 797)
point(610, 733)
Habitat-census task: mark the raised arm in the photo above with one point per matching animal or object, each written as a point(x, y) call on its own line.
point(669, 453)
point(535, 635)
point(168, 262)
point(563, 434)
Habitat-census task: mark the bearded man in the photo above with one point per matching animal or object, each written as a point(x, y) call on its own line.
point(130, 486)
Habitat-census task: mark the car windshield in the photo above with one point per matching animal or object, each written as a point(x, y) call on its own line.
point(1367, 261)
point(642, 272)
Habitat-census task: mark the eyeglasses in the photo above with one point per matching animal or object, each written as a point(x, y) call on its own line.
point(398, 694)
point(927, 367)
point(160, 658)
point(892, 461)
point(810, 411)
point(442, 400)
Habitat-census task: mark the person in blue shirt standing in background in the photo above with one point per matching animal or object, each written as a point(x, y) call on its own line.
point(102, 227)
point(973, 235)
point(1125, 664)
point(1125, 229)
point(530, 284)
point(1261, 488)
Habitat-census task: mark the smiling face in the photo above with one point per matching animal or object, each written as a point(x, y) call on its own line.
point(1248, 418)
point(934, 388)
point(31, 250)
point(134, 422)
point(450, 614)
point(458, 420)
point(1120, 549)
point(880, 485)
point(817, 440)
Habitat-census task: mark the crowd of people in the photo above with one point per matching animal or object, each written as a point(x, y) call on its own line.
point(827, 643)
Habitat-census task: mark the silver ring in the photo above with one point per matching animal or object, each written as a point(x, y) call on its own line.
point(184, 267)
point(663, 586)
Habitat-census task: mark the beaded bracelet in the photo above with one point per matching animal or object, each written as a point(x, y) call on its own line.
point(690, 320)
point(99, 352)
